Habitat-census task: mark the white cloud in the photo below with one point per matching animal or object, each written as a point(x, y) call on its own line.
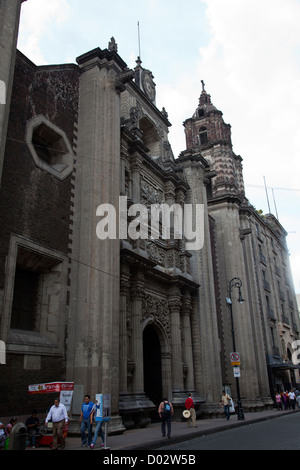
point(295, 262)
point(37, 21)
point(252, 70)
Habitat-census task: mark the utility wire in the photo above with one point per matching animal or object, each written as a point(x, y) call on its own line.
point(76, 155)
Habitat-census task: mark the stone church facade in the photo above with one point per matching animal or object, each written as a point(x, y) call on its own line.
point(138, 318)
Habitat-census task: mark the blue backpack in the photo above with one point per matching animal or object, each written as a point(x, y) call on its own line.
point(167, 409)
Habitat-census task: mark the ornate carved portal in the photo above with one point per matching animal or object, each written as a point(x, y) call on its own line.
point(156, 343)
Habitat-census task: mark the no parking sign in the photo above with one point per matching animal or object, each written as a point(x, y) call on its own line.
point(235, 359)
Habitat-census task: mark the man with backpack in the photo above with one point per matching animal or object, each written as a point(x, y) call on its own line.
point(165, 411)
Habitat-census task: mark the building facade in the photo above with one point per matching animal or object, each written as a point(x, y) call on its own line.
point(139, 317)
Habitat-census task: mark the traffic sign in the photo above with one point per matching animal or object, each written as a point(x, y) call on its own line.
point(235, 359)
point(236, 372)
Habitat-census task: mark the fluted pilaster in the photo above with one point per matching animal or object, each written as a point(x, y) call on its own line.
point(137, 292)
point(177, 369)
point(187, 342)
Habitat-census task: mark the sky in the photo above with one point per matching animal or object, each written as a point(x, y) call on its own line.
point(246, 51)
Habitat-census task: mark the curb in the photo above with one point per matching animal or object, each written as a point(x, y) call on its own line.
point(205, 432)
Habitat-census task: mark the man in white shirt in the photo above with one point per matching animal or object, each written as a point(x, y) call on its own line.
point(58, 415)
point(292, 399)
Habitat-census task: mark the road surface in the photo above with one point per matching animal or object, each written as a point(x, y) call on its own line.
point(282, 433)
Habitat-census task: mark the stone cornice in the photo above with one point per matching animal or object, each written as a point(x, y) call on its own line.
point(97, 55)
point(192, 155)
point(136, 260)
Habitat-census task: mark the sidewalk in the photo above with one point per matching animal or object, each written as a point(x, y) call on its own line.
point(150, 438)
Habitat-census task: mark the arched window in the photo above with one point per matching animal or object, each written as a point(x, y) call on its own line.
point(203, 135)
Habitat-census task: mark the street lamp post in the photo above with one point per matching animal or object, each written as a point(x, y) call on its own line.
point(235, 282)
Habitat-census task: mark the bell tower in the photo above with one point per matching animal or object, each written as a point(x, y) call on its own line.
point(207, 132)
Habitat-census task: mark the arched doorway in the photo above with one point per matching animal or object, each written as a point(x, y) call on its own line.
point(152, 366)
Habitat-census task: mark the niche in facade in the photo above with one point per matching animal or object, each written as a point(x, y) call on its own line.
point(151, 136)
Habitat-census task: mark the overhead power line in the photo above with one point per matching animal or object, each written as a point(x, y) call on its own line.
point(271, 187)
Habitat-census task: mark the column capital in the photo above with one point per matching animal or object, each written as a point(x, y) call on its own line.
point(137, 289)
point(174, 303)
point(187, 305)
point(124, 284)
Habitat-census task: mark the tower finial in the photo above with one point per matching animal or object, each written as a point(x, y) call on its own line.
point(112, 45)
point(203, 85)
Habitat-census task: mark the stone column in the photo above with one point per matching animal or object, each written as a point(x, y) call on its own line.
point(135, 166)
point(251, 291)
point(124, 293)
point(204, 316)
point(177, 369)
point(196, 339)
point(187, 342)
point(93, 340)
point(9, 28)
point(234, 264)
point(137, 334)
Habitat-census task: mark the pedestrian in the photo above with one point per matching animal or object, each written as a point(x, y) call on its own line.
point(284, 400)
point(85, 421)
point(98, 430)
point(189, 405)
point(166, 411)
point(292, 398)
point(226, 402)
point(3, 436)
point(278, 401)
point(288, 405)
point(32, 425)
point(297, 393)
point(10, 425)
point(59, 416)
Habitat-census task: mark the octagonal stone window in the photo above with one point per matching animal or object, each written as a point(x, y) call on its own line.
point(49, 147)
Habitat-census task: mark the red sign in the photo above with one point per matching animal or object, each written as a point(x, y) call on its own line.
point(235, 358)
point(51, 387)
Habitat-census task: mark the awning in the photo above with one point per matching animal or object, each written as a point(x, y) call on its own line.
point(284, 366)
point(51, 387)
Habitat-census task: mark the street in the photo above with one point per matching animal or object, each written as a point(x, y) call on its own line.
point(282, 433)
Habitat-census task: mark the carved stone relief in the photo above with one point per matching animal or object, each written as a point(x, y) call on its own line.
point(158, 310)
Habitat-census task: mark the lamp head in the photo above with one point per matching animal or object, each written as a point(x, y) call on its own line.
point(240, 299)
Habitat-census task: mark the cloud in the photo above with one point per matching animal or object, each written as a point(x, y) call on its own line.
point(295, 262)
point(37, 22)
point(251, 67)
